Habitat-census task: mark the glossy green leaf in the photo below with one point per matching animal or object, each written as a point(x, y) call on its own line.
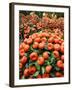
point(43, 69)
point(36, 74)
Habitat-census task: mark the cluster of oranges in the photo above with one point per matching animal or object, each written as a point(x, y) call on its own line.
point(42, 55)
point(32, 23)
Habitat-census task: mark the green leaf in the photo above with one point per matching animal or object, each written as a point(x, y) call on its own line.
point(47, 62)
point(52, 74)
point(43, 70)
point(31, 48)
point(57, 68)
point(35, 74)
point(26, 54)
point(37, 66)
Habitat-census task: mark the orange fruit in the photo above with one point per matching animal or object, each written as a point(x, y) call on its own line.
point(58, 74)
point(29, 41)
point(32, 69)
point(50, 46)
point(62, 49)
point(50, 40)
point(40, 60)
point(26, 72)
point(26, 47)
point(43, 39)
point(56, 40)
point(59, 64)
point(45, 55)
point(35, 45)
point(37, 39)
point(56, 54)
point(57, 47)
point(41, 45)
point(33, 56)
point(62, 58)
point(45, 75)
point(48, 68)
point(23, 60)
point(21, 52)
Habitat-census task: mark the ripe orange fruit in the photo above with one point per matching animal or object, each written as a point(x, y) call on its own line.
point(62, 58)
point(50, 40)
point(45, 75)
point(45, 55)
point(21, 52)
point(56, 40)
point(43, 39)
point(23, 60)
point(29, 41)
point(56, 54)
point(35, 45)
point(48, 68)
point(57, 47)
point(40, 60)
point(20, 47)
point(26, 47)
point(58, 74)
point(50, 46)
point(59, 64)
point(41, 45)
point(32, 69)
point(44, 34)
point(33, 56)
point(26, 72)
point(37, 39)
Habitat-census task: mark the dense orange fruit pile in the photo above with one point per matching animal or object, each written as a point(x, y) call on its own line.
point(42, 56)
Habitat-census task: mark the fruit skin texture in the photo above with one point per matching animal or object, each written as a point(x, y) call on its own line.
point(21, 52)
point(48, 68)
point(43, 39)
point(59, 64)
point(45, 75)
point(56, 54)
point(56, 40)
point(58, 74)
point(40, 60)
point(32, 69)
point(62, 58)
point(50, 46)
point(23, 60)
point(37, 40)
point(50, 40)
point(57, 47)
point(35, 45)
point(41, 45)
point(26, 48)
point(33, 56)
point(26, 72)
point(45, 55)
point(29, 41)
